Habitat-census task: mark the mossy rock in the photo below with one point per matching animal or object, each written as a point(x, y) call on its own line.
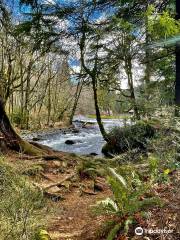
point(128, 138)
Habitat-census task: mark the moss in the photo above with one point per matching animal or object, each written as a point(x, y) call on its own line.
point(29, 148)
point(42, 235)
point(20, 203)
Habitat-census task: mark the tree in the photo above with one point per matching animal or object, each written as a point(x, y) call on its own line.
point(11, 138)
point(177, 84)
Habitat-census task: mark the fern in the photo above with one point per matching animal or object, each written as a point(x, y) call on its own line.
point(114, 231)
point(127, 191)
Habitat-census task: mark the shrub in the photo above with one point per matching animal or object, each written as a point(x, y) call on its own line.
point(18, 118)
point(124, 139)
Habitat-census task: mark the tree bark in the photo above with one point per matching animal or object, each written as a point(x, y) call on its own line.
point(128, 69)
point(148, 69)
point(49, 104)
point(77, 96)
point(98, 114)
point(93, 76)
point(6, 129)
point(12, 139)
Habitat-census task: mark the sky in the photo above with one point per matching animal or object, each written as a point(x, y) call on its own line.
point(73, 61)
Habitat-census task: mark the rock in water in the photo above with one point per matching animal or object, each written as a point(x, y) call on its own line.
point(75, 130)
point(69, 142)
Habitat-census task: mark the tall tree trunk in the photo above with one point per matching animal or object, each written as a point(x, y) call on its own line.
point(177, 83)
point(128, 68)
point(27, 93)
point(93, 76)
point(77, 95)
point(49, 103)
point(98, 114)
point(148, 60)
point(21, 91)
point(26, 110)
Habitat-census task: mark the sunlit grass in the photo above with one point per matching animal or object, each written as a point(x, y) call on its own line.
point(122, 116)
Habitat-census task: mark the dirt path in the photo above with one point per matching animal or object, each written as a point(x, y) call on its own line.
point(71, 215)
point(74, 219)
point(70, 203)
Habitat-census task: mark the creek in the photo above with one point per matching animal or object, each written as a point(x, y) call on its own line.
point(86, 137)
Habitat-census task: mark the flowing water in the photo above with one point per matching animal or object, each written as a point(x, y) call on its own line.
point(87, 141)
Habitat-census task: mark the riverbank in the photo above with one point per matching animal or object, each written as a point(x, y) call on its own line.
point(121, 116)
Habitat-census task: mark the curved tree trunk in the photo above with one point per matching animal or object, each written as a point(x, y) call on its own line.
point(12, 139)
point(98, 114)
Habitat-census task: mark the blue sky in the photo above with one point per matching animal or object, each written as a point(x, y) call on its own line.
point(15, 8)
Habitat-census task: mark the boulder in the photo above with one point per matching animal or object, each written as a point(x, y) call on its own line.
point(69, 142)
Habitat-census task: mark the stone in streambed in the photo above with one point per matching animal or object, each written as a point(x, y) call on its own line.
point(69, 142)
point(75, 130)
point(35, 139)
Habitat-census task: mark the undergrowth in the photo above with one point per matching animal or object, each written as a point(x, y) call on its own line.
point(21, 206)
point(132, 181)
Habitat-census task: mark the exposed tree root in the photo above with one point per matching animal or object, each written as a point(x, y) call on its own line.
point(59, 183)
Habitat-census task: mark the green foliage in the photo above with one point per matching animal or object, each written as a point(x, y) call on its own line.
point(114, 232)
point(124, 139)
point(42, 235)
point(33, 170)
point(105, 229)
point(128, 191)
point(153, 166)
point(20, 206)
point(18, 118)
point(163, 25)
point(89, 168)
point(128, 197)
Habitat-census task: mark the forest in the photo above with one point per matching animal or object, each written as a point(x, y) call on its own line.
point(89, 119)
